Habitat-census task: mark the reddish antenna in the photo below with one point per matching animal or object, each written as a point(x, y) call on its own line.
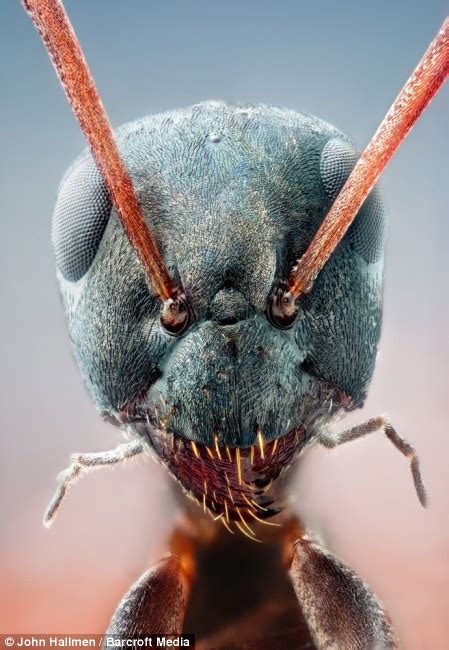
point(417, 93)
point(53, 25)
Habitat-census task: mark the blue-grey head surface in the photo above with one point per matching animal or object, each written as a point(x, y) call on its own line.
point(233, 195)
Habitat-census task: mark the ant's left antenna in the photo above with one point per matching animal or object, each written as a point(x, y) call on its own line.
point(54, 27)
point(413, 99)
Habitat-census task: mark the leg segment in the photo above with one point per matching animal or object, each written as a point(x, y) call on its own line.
point(155, 604)
point(82, 464)
point(380, 424)
point(338, 606)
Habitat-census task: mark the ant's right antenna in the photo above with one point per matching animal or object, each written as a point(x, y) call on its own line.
point(54, 27)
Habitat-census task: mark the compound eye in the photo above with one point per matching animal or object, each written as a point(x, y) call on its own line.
point(282, 309)
point(366, 235)
point(176, 315)
point(82, 212)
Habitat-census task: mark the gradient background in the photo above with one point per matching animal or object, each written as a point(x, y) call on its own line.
point(344, 62)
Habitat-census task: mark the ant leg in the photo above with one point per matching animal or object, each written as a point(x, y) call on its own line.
point(339, 608)
point(83, 464)
point(331, 440)
point(155, 604)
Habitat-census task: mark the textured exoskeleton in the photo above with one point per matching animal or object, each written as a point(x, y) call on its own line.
point(233, 195)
